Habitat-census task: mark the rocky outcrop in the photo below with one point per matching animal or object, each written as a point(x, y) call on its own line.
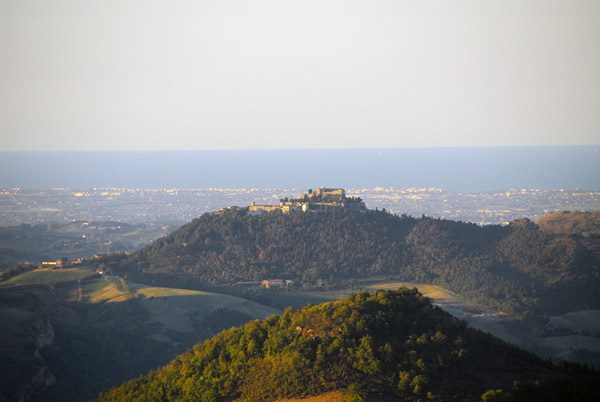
point(43, 332)
point(44, 377)
point(43, 335)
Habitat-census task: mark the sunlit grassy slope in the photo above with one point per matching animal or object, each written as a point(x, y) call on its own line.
point(431, 291)
point(172, 307)
point(97, 289)
point(168, 306)
point(104, 290)
point(168, 309)
point(47, 276)
point(136, 327)
point(452, 302)
point(173, 312)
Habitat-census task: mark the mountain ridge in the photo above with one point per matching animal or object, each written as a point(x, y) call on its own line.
point(516, 268)
point(388, 344)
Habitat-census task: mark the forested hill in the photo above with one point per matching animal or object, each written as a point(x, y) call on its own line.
point(393, 345)
point(586, 224)
point(517, 268)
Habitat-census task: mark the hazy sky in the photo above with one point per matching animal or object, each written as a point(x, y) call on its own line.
point(108, 75)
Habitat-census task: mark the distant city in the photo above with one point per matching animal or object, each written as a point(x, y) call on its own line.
point(178, 206)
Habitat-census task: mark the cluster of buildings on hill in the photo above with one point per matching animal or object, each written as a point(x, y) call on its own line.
point(313, 201)
point(61, 263)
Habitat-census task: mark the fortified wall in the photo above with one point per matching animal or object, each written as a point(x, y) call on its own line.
point(320, 199)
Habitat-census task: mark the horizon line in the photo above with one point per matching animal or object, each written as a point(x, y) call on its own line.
point(317, 149)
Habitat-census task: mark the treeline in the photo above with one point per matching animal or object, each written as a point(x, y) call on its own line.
point(392, 344)
point(517, 268)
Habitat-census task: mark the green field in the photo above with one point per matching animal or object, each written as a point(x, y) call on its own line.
point(170, 309)
point(48, 276)
point(167, 305)
point(104, 290)
point(434, 292)
point(278, 297)
point(587, 321)
point(94, 285)
point(296, 298)
point(147, 291)
point(281, 298)
point(570, 342)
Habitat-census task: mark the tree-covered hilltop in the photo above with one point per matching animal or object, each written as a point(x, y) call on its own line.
point(393, 344)
point(582, 223)
point(517, 268)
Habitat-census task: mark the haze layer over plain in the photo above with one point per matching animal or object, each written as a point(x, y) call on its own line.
point(461, 169)
point(268, 74)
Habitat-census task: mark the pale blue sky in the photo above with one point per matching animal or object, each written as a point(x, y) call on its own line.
point(110, 75)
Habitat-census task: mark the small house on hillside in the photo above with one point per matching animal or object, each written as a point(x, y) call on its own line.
point(268, 283)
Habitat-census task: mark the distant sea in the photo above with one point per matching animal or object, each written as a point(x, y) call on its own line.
point(453, 169)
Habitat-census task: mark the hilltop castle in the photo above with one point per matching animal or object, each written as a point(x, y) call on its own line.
point(314, 201)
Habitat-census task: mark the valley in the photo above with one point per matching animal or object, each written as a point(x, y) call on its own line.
point(351, 349)
point(572, 337)
point(156, 317)
point(27, 244)
point(54, 320)
point(135, 311)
